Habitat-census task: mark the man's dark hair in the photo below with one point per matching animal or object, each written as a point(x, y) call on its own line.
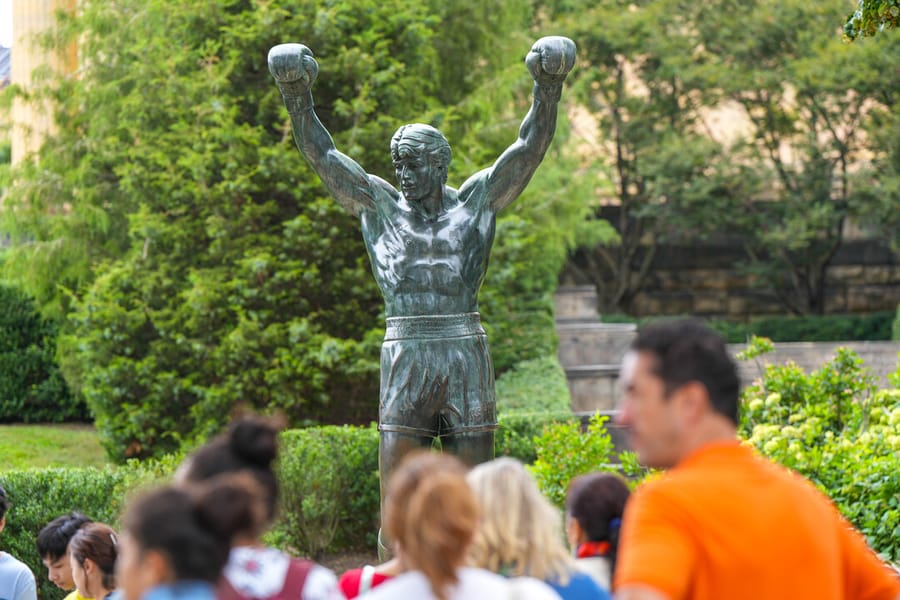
point(688, 350)
point(53, 539)
point(4, 503)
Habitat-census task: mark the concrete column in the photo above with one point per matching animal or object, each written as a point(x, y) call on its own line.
point(32, 122)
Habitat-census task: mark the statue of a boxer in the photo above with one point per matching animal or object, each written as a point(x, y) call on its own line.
point(429, 245)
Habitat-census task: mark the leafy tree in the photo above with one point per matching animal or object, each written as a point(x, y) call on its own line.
point(655, 149)
point(199, 259)
point(871, 17)
point(809, 99)
point(813, 111)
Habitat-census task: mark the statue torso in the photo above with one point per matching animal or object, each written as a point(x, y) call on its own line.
point(425, 265)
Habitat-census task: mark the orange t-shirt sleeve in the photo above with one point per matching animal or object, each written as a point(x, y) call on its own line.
point(866, 576)
point(656, 548)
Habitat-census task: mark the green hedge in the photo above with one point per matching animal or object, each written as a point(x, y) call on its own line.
point(533, 386)
point(330, 488)
point(328, 476)
point(39, 495)
point(818, 328)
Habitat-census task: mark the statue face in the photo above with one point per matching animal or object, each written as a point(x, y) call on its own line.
point(417, 177)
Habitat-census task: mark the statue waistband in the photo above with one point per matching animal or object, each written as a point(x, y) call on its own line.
point(433, 326)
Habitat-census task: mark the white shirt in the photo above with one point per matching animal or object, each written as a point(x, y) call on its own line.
point(474, 584)
point(260, 573)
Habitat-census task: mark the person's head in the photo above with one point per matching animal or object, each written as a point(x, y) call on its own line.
point(594, 506)
point(249, 445)
point(92, 557)
point(521, 532)
point(680, 389)
point(431, 516)
point(184, 533)
point(421, 157)
point(53, 544)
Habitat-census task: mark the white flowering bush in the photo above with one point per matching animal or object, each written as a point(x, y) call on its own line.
point(835, 427)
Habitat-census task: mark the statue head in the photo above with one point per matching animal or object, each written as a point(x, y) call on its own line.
point(421, 155)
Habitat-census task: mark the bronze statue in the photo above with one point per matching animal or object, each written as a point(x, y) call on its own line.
point(429, 245)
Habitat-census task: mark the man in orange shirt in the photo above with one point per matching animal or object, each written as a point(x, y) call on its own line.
point(722, 522)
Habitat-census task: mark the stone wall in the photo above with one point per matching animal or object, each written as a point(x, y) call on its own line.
point(704, 279)
point(591, 352)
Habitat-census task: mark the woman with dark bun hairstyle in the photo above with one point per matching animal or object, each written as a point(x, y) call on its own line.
point(92, 556)
point(176, 541)
point(253, 571)
point(431, 516)
point(594, 506)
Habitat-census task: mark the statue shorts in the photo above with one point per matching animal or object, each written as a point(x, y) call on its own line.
point(436, 376)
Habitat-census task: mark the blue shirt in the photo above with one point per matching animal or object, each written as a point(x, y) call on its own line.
point(16, 579)
point(182, 590)
point(580, 587)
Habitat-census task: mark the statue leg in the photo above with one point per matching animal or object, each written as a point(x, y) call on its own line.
point(393, 447)
point(472, 447)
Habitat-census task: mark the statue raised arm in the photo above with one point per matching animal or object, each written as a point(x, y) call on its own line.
point(295, 70)
point(548, 62)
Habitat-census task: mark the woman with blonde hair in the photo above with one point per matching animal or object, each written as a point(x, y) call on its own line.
point(431, 516)
point(521, 532)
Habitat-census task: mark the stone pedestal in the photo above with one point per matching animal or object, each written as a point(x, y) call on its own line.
point(591, 353)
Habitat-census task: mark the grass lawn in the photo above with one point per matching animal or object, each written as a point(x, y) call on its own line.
point(38, 446)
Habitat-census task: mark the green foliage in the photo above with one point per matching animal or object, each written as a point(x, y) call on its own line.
point(537, 385)
point(516, 433)
point(836, 429)
point(724, 117)
point(329, 488)
point(40, 495)
point(658, 163)
point(198, 258)
point(565, 452)
point(32, 388)
point(895, 335)
point(809, 328)
point(872, 17)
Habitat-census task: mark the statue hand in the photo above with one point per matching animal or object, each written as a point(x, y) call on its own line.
point(293, 67)
point(550, 60)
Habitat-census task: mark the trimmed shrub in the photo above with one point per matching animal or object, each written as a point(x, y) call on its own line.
point(328, 477)
point(329, 489)
point(565, 452)
point(515, 436)
point(895, 335)
point(39, 496)
point(32, 388)
point(811, 328)
point(533, 386)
